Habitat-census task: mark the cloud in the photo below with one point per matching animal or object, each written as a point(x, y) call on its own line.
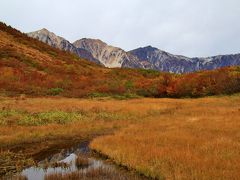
point(188, 27)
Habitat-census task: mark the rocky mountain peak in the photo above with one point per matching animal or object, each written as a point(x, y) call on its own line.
point(53, 40)
point(108, 55)
point(43, 30)
point(89, 44)
point(149, 48)
point(48, 37)
point(145, 57)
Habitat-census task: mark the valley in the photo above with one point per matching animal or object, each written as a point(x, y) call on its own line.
point(33, 68)
point(56, 97)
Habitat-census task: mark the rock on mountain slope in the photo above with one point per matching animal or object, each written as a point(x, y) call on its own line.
point(146, 57)
point(215, 62)
point(53, 40)
point(109, 56)
point(58, 42)
point(153, 58)
point(93, 50)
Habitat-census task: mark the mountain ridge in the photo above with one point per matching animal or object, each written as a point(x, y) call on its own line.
point(144, 57)
point(164, 61)
point(109, 55)
point(29, 66)
point(59, 42)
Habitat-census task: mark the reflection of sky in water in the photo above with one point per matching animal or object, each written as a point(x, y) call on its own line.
point(66, 156)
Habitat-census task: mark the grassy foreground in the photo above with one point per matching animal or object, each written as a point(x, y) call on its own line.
point(160, 138)
point(51, 124)
point(182, 139)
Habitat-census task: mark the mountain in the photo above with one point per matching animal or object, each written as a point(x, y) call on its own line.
point(153, 58)
point(109, 56)
point(144, 58)
point(29, 66)
point(91, 49)
point(58, 42)
point(53, 40)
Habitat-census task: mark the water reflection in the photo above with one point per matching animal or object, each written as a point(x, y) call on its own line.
point(66, 160)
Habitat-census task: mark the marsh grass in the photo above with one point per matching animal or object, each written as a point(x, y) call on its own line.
point(47, 122)
point(104, 96)
point(92, 174)
point(59, 164)
point(160, 138)
point(51, 117)
point(13, 162)
point(24, 118)
point(21, 177)
point(16, 113)
point(82, 162)
point(187, 139)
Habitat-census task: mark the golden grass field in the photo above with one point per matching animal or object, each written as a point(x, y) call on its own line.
point(182, 139)
point(160, 138)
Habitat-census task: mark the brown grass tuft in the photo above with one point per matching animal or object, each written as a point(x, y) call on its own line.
point(82, 162)
point(93, 174)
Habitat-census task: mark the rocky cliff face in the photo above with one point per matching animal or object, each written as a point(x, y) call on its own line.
point(153, 58)
point(53, 40)
point(147, 57)
point(109, 56)
point(217, 61)
point(58, 42)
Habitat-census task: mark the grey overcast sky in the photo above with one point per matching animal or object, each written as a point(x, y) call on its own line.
point(187, 27)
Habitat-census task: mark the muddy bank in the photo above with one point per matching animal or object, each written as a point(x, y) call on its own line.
point(120, 165)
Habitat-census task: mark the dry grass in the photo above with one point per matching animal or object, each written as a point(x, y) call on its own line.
point(96, 117)
point(21, 178)
point(82, 162)
point(12, 162)
point(190, 139)
point(59, 164)
point(93, 174)
point(161, 138)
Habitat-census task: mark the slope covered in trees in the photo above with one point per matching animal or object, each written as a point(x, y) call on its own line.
point(30, 67)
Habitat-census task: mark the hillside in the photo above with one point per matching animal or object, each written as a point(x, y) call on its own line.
point(31, 67)
point(28, 66)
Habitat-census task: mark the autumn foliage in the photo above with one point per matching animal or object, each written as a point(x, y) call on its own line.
point(30, 67)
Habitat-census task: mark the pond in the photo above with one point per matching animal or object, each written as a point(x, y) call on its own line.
point(63, 165)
